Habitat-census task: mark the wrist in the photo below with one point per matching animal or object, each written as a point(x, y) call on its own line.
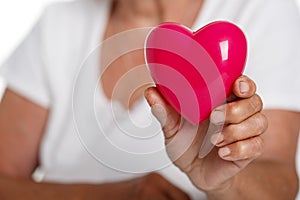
point(222, 191)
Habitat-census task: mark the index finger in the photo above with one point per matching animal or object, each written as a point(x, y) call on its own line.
point(165, 114)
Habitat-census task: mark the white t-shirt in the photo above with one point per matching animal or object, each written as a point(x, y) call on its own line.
point(84, 140)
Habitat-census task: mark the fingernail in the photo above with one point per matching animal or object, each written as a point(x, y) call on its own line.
point(217, 117)
point(244, 87)
point(224, 152)
point(159, 112)
point(216, 138)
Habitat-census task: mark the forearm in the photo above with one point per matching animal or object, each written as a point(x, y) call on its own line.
point(14, 189)
point(261, 180)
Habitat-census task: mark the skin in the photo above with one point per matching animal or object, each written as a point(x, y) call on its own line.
point(260, 160)
point(255, 161)
point(130, 14)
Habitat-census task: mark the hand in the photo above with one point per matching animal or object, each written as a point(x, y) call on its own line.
point(152, 186)
point(236, 145)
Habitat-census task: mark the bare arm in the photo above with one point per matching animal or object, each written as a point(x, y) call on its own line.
point(22, 124)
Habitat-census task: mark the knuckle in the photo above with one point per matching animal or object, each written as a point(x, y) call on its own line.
point(249, 149)
point(265, 122)
point(260, 102)
point(254, 85)
point(234, 111)
point(258, 146)
point(241, 128)
point(256, 103)
point(234, 132)
point(261, 122)
point(241, 149)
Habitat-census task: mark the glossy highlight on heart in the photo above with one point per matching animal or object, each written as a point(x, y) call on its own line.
point(195, 71)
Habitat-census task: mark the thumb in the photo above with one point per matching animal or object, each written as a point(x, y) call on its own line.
point(165, 114)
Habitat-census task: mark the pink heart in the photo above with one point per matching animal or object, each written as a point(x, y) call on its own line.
point(195, 72)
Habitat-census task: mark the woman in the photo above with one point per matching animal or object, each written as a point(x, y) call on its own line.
point(49, 128)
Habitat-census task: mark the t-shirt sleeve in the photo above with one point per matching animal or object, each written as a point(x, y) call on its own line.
point(24, 71)
point(274, 54)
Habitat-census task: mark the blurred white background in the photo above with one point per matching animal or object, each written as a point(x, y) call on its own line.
point(16, 19)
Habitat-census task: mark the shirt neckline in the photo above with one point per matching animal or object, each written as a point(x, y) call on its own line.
point(102, 15)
